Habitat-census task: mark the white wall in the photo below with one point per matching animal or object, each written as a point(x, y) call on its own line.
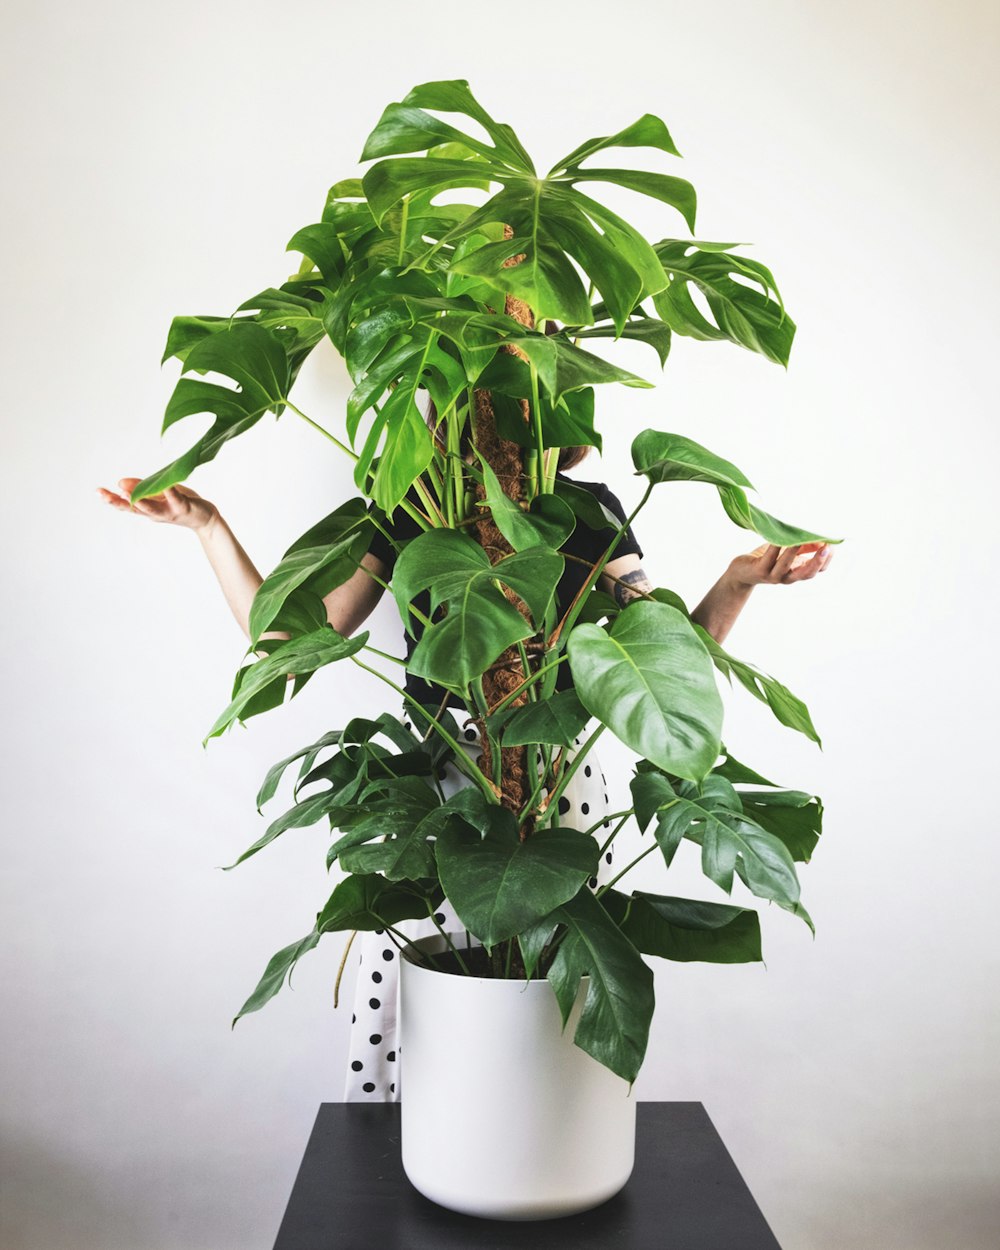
point(156, 160)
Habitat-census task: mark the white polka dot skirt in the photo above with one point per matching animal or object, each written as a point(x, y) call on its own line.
point(373, 1068)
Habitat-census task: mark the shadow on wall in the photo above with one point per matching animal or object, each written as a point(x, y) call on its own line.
point(52, 1202)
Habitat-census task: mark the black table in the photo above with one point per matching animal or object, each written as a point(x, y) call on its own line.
point(685, 1194)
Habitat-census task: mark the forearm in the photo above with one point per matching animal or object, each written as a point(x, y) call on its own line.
point(236, 573)
point(717, 612)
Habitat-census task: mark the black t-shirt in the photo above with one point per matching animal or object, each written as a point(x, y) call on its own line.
point(584, 543)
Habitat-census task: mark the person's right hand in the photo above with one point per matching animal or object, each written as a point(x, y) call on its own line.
point(177, 505)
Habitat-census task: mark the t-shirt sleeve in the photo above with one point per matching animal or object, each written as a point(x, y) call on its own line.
point(401, 529)
point(628, 544)
point(382, 548)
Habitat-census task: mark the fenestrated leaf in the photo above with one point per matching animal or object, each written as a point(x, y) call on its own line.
point(184, 332)
point(369, 902)
point(404, 128)
point(787, 707)
point(566, 422)
point(500, 886)
point(253, 358)
point(685, 929)
point(791, 815)
point(642, 329)
point(293, 317)
point(390, 181)
point(363, 825)
point(558, 720)
point(397, 859)
point(556, 227)
point(398, 433)
point(278, 968)
point(731, 768)
point(562, 367)
point(673, 458)
point(755, 319)
point(272, 780)
point(576, 368)
point(301, 815)
point(677, 192)
point(298, 655)
point(712, 815)
point(320, 242)
point(614, 1024)
point(648, 132)
point(454, 96)
point(649, 679)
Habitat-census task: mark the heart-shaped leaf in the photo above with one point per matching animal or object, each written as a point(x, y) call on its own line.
point(649, 679)
point(500, 886)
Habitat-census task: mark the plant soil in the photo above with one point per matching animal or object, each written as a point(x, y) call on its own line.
point(480, 964)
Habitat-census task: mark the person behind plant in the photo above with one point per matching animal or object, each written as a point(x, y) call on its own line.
point(372, 1054)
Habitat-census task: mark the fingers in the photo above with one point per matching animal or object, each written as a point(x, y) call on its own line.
point(811, 558)
point(110, 497)
point(782, 565)
point(768, 553)
point(148, 507)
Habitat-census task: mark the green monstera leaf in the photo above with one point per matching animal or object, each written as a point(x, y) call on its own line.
point(614, 1023)
point(500, 886)
point(686, 929)
point(556, 226)
point(649, 679)
point(323, 558)
point(479, 622)
point(755, 319)
point(712, 815)
point(255, 360)
point(300, 655)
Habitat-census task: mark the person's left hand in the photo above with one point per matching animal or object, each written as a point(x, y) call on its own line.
point(772, 564)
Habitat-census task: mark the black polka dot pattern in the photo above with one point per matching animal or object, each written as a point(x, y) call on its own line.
point(373, 1058)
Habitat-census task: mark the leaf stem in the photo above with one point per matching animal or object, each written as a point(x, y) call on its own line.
point(462, 761)
point(536, 417)
point(508, 698)
point(326, 433)
point(628, 868)
point(450, 944)
point(556, 794)
point(574, 609)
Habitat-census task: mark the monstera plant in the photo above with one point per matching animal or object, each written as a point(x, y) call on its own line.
point(485, 302)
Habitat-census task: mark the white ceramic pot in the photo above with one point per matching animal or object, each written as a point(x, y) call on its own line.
point(503, 1117)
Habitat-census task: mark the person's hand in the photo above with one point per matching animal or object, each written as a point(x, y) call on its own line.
point(177, 505)
point(772, 564)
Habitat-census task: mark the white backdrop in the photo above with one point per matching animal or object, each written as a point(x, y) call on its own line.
point(156, 162)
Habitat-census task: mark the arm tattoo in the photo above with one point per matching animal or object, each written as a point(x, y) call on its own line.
point(632, 586)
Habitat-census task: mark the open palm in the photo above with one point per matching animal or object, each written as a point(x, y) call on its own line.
point(770, 564)
point(177, 505)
